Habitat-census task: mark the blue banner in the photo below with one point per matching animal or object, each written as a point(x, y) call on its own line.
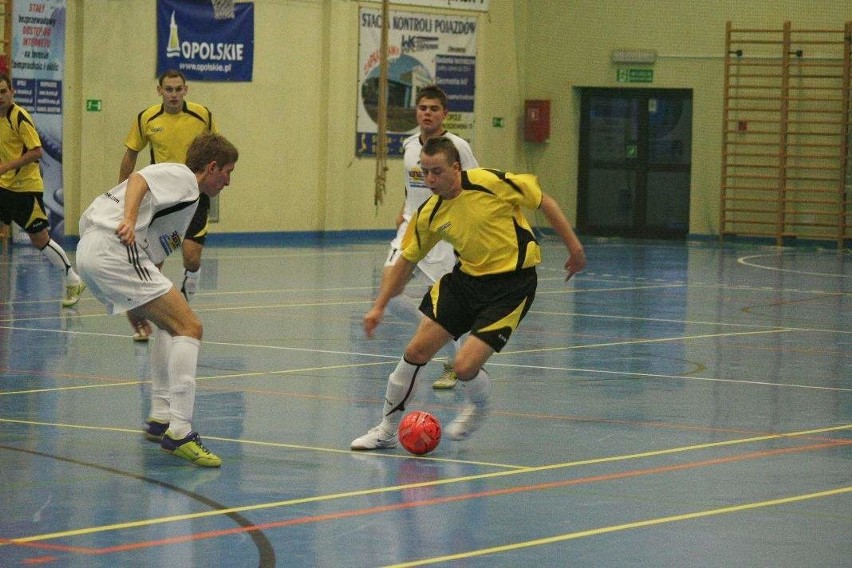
point(191, 40)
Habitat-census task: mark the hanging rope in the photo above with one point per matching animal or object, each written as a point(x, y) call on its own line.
point(382, 122)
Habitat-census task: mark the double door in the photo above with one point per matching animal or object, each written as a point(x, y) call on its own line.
point(635, 162)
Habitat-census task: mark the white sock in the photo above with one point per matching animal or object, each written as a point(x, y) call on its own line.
point(402, 384)
point(183, 361)
point(478, 387)
point(57, 257)
point(161, 348)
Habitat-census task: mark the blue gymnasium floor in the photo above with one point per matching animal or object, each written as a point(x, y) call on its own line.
point(674, 405)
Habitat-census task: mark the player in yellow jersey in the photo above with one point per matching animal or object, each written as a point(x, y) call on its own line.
point(169, 128)
point(489, 291)
point(430, 112)
point(22, 188)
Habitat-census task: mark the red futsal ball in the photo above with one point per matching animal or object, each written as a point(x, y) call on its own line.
point(419, 432)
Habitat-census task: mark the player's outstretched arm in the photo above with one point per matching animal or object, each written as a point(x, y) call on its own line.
point(577, 259)
point(392, 286)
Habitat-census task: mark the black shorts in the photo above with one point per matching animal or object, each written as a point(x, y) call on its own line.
point(197, 230)
point(489, 307)
point(26, 208)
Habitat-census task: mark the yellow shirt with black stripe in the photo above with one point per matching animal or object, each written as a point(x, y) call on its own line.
point(484, 223)
point(17, 136)
point(169, 134)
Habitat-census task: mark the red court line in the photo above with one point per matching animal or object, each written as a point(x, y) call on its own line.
point(444, 500)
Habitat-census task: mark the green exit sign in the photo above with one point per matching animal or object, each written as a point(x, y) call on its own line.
point(632, 75)
point(94, 105)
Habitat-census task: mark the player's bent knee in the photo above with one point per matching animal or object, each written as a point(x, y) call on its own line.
point(417, 356)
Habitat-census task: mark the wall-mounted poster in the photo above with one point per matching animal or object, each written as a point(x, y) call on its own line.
point(423, 49)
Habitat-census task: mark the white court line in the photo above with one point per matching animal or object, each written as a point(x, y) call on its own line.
point(688, 322)
point(496, 364)
point(677, 377)
point(744, 261)
point(644, 341)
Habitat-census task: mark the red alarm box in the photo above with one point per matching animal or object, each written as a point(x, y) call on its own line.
point(536, 120)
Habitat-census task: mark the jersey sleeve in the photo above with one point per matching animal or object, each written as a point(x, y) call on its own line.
point(136, 139)
point(418, 239)
point(530, 190)
point(520, 190)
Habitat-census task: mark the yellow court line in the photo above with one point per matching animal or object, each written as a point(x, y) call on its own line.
point(624, 527)
point(247, 374)
point(620, 289)
point(380, 490)
point(76, 387)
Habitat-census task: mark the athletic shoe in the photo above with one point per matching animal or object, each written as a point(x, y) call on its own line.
point(376, 439)
point(190, 284)
point(468, 421)
point(448, 378)
point(191, 449)
point(154, 429)
point(72, 294)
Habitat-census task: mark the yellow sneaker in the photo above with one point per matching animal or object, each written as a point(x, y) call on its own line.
point(72, 294)
point(191, 449)
point(448, 378)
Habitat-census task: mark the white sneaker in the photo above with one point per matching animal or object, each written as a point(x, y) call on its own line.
point(376, 439)
point(468, 421)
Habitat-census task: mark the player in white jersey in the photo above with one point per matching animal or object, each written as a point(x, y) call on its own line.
point(125, 235)
point(431, 111)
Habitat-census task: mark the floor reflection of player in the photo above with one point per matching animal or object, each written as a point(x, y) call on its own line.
point(441, 530)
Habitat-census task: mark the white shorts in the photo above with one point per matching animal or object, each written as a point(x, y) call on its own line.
point(121, 277)
point(440, 260)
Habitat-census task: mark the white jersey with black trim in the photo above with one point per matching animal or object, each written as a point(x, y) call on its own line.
point(416, 191)
point(164, 214)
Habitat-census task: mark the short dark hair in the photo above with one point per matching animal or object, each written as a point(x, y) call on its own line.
point(442, 145)
point(433, 92)
point(5, 77)
point(168, 74)
point(210, 147)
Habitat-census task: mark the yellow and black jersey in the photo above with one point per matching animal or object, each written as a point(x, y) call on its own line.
point(484, 223)
point(169, 134)
point(17, 136)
